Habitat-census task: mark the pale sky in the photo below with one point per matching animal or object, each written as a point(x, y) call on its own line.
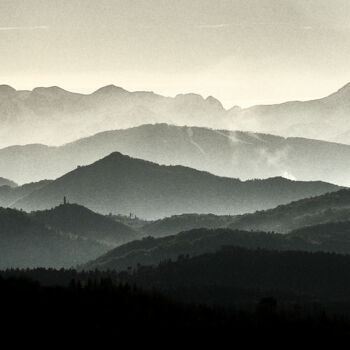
point(243, 52)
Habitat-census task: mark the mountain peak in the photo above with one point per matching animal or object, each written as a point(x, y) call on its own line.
point(189, 96)
point(117, 155)
point(50, 90)
point(115, 158)
point(6, 182)
point(215, 102)
point(109, 89)
point(7, 90)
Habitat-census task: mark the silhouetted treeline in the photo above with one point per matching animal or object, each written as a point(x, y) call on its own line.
point(105, 308)
point(231, 277)
point(315, 276)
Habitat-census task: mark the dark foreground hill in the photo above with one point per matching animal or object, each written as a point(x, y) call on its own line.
point(26, 243)
point(98, 307)
point(120, 184)
point(76, 219)
point(217, 278)
point(231, 277)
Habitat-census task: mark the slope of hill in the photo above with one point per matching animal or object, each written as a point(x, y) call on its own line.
point(151, 251)
point(120, 184)
point(335, 234)
point(234, 273)
point(6, 182)
point(243, 155)
point(9, 195)
point(178, 223)
point(76, 219)
point(26, 243)
point(333, 237)
point(331, 207)
point(325, 118)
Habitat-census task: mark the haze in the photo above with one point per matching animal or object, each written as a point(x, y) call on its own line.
point(242, 52)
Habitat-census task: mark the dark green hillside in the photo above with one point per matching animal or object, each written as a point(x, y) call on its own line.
point(330, 207)
point(178, 223)
point(205, 278)
point(26, 243)
point(76, 219)
point(333, 237)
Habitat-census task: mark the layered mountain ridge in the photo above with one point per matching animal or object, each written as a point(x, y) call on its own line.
point(120, 184)
point(39, 115)
point(235, 154)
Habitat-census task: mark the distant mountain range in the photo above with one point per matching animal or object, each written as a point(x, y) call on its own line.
point(55, 116)
point(325, 118)
point(123, 185)
point(235, 154)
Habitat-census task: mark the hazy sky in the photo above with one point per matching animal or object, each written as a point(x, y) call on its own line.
point(241, 51)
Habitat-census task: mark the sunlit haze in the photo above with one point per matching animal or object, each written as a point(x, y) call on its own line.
point(242, 52)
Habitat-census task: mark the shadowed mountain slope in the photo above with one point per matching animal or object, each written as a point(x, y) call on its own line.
point(26, 243)
point(6, 182)
point(331, 207)
point(325, 118)
point(178, 223)
point(120, 184)
point(9, 195)
point(76, 219)
point(333, 237)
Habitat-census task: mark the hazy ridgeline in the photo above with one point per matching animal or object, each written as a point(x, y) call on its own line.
point(120, 184)
point(37, 116)
point(236, 154)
